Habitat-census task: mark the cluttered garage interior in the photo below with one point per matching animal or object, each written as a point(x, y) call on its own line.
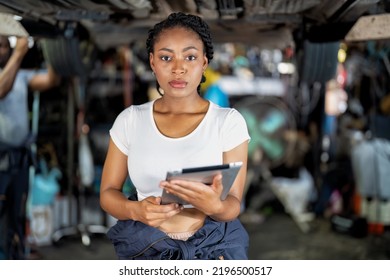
point(311, 79)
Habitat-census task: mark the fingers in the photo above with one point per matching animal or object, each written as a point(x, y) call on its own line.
point(191, 190)
point(154, 214)
point(217, 182)
point(206, 198)
point(21, 45)
point(154, 206)
point(153, 200)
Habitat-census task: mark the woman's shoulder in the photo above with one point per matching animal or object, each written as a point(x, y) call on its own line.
point(135, 112)
point(143, 106)
point(223, 112)
point(139, 108)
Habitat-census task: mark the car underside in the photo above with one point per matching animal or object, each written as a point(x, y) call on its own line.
point(268, 23)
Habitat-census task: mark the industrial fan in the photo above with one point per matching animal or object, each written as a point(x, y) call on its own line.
point(270, 123)
point(274, 142)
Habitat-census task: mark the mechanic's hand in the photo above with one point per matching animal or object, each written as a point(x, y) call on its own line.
point(21, 45)
point(153, 213)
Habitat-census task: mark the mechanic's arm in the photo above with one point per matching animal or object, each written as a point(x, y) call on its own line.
point(8, 74)
point(45, 81)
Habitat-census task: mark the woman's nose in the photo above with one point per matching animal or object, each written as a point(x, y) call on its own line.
point(178, 67)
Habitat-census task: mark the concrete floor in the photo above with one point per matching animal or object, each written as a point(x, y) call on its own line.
point(277, 237)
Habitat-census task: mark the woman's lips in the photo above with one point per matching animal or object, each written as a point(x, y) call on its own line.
point(177, 84)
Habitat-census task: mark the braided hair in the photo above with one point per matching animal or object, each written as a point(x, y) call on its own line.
point(188, 21)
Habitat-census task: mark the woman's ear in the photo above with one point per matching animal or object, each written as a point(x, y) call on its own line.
point(205, 62)
point(151, 61)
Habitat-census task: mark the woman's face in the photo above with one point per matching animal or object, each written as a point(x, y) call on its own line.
point(178, 61)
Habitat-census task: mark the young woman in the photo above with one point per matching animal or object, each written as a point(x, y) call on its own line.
point(178, 130)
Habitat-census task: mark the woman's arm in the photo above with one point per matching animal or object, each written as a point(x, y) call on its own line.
point(229, 209)
point(114, 174)
point(113, 201)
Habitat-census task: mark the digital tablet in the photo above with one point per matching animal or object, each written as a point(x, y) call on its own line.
point(204, 174)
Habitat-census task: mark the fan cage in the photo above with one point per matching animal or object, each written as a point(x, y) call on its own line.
point(271, 124)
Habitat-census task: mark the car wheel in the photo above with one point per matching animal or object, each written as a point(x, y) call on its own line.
point(318, 62)
point(68, 56)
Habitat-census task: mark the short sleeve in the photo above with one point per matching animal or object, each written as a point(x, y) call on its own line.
point(30, 75)
point(234, 130)
point(27, 75)
point(119, 131)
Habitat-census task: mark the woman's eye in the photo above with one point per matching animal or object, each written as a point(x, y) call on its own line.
point(191, 57)
point(165, 58)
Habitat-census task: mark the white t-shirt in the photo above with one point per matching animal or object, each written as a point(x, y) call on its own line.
point(151, 154)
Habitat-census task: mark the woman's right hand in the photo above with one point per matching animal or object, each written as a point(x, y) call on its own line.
point(153, 213)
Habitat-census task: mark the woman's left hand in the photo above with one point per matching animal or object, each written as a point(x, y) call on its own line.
point(205, 198)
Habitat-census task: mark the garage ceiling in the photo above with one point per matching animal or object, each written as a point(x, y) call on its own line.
point(267, 23)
